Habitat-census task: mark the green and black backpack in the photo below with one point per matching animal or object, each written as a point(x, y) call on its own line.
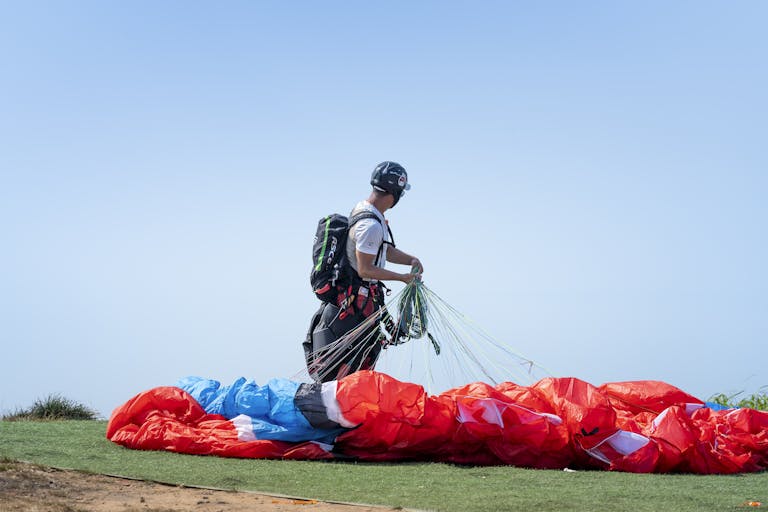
point(331, 271)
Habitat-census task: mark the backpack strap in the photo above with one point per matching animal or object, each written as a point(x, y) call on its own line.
point(380, 252)
point(366, 214)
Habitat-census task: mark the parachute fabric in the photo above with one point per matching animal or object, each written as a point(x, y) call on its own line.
point(483, 419)
point(643, 426)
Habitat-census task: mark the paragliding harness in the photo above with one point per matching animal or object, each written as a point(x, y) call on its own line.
point(333, 279)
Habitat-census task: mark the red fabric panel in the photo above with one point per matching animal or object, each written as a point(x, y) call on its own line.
point(641, 426)
point(167, 418)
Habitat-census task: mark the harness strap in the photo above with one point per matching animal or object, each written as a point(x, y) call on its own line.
point(366, 214)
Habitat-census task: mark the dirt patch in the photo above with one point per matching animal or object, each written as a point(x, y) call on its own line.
point(31, 488)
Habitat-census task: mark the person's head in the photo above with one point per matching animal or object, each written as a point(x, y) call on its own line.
point(390, 178)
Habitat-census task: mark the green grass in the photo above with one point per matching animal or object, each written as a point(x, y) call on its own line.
point(81, 445)
point(53, 407)
point(757, 400)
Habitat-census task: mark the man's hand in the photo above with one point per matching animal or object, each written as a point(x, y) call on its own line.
point(415, 273)
point(417, 266)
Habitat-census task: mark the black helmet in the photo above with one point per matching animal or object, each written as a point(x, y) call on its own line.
point(390, 177)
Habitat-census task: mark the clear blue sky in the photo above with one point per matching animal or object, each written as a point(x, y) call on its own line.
point(589, 182)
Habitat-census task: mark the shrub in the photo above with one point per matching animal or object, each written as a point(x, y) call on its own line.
point(757, 400)
point(54, 407)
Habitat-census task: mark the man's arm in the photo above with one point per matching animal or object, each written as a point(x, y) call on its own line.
point(395, 255)
point(367, 270)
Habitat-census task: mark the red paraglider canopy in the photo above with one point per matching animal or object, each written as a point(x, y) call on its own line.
point(643, 426)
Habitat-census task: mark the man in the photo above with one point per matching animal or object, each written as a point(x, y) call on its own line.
point(351, 320)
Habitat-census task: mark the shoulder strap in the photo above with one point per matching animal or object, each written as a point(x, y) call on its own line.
point(370, 215)
point(365, 214)
point(380, 252)
point(391, 237)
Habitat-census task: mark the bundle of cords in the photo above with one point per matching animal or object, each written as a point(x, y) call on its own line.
point(413, 310)
point(464, 353)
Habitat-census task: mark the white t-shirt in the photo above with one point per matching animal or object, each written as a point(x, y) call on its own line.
point(367, 236)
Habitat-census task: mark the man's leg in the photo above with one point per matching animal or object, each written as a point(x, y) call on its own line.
point(330, 362)
point(370, 346)
point(308, 343)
